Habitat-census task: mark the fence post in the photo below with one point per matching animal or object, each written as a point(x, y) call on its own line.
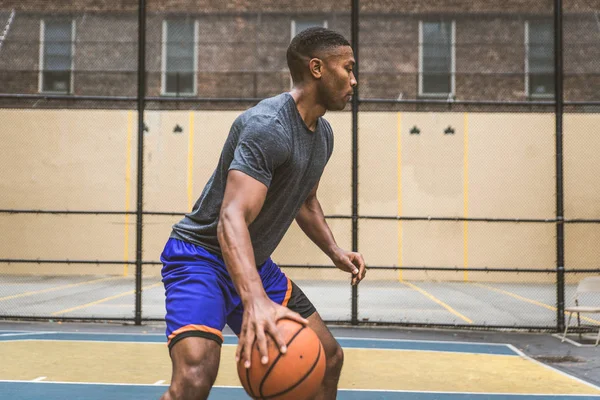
point(355, 29)
point(560, 226)
point(140, 158)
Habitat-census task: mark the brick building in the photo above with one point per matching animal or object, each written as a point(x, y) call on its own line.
point(464, 50)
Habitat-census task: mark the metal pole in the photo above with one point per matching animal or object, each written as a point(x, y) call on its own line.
point(355, 28)
point(140, 158)
point(560, 226)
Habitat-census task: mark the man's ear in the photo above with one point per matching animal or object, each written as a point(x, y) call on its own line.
point(316, 67)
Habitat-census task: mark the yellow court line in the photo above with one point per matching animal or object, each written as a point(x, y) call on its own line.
point(16, 296)
point(190, 175)
point(127, 191)
point(466, 197)
point(399, 158)
point(528, 300)
point(93, 303)
point(438, 301)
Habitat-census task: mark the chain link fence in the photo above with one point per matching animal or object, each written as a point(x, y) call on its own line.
point(462, 172)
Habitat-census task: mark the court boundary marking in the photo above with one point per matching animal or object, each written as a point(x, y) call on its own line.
point(513, 348)
point(233, 344)
point(138, 338)
point(339, 390)
point(16, 333)
point(563, 373)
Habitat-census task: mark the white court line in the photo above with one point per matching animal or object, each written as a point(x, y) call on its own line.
point(423, 341)
point(341, 390)
point(159, 382)
point(38, 379)
point(94, 333)
point(519, 352)
point(90, 341)
point(24, 334)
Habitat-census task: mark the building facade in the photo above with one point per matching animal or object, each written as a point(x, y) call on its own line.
point(459, 50)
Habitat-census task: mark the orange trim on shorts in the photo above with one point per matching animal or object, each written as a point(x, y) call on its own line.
point(288, 293)
point(202, 328)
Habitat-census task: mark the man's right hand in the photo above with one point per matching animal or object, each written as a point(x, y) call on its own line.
point(260, 318)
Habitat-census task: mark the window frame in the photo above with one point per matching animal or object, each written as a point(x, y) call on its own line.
point(42, 59)
point(163, 66)
point(452, 93)
point(528, 93)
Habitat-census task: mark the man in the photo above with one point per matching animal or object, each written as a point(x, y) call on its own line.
point(217, 268)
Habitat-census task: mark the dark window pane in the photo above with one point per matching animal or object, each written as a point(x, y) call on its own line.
point(58, 56)
point(540, 84)
point(436, 83)
point(541, 57)
point(437, 57)
point(56, 81)
point(180, 53)
point(180, 83)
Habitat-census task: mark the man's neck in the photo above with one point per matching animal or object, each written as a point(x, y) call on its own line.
point(309, 108)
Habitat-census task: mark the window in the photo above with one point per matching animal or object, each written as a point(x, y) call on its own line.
point(436, 58)
point(57, 46)
point(539, 58)
point(180, 57)
point(299, 25)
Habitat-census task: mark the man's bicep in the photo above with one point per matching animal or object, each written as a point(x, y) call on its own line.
point(244, 194)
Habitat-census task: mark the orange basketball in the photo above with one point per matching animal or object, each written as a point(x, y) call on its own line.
point(295, 375)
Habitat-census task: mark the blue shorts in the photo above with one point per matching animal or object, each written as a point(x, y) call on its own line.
point(201, 297)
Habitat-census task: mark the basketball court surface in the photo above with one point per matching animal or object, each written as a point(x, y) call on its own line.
point(129, 363)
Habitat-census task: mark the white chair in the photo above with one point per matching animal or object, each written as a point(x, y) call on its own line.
point(586, 285)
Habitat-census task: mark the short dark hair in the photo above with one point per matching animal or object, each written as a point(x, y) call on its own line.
point(306, 44)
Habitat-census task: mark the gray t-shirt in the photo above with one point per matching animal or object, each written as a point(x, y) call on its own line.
point(271, 143)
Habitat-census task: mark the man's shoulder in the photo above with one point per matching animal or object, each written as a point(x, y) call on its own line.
point(264, 114)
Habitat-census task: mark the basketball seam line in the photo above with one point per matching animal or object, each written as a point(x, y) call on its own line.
point(299, 381)
point(260, 387)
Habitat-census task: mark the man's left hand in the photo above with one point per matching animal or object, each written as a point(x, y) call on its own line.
point(351, 262)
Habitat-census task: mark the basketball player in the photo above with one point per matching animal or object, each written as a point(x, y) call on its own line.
point(217, 268)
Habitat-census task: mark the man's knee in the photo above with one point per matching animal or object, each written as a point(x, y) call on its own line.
point(335, 358)
point(192, 383)
point(195, 367)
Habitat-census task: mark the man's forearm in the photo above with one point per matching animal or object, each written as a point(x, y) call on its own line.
point(236, 247)
point(311, 220)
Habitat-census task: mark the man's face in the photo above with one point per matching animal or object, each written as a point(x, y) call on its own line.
point(337, 82)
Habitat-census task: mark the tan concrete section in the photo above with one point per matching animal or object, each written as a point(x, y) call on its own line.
point(432, 244)
point(581, 248)
point(363, 369)
point(378, 241)
point(63, 159)
point(514, 245)
point(77, 159)
point(511, 165)
point(74, 237)
point(211, 129)
point(581, 167)
point(165, 161)
point(335, 188)
point(296, 248)
point(432, 165)
point(157, 229)
point(378, 163)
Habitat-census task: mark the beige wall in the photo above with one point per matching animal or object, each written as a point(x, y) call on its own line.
point(494, 165)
